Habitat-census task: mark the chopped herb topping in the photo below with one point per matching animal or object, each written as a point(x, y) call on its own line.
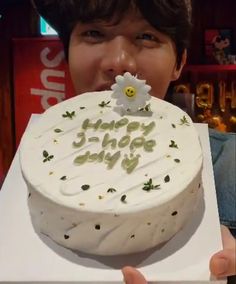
point(68, 114)
point(132, 236)
point(104, 104)
point(148, 186)
point(111, 190)
point(58, 130)
point(63, 178)
point(82, 107)
point(46, 156)
point(167, 178)
point(97, 227)
point(81, 204)
point(66, 237)
point(173, 144)
point(173, 125)
point(123, 198)
point(100, 197)
point(85, 186)
point(29, 195)
point(174, 213)
point(148, 223)
point(146, 108)
point(184, 121)
point(177, 160)
point(50, 173)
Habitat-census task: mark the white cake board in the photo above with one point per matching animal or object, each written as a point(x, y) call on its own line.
point(28, 257)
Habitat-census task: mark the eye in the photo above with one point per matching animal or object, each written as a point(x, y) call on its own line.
point(148, 40)
point(93, 35)
point(146, 36)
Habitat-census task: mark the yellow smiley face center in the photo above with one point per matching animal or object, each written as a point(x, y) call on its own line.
point(130, 91)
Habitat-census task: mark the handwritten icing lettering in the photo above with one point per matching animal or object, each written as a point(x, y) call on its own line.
point(87, 124)
point(106, 141)
point(111, 160)
point(107, 125)
point(81, 159)
point(93, 139)
point(114, 125)
point(96, 157)
point(148, 145)
point(132, 126)
point(137, 143)
point(148, 128)
point(88, 157)
point(108, 158)
point(122, 122)
point(124, 141)
point(129, 164)
point(82, 140)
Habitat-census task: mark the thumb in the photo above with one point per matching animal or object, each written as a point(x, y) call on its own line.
point(223, 263)
point(133, 276)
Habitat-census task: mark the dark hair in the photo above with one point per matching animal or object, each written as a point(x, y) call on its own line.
point(172, 17)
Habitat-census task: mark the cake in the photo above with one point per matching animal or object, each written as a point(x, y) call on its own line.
point(107, 178)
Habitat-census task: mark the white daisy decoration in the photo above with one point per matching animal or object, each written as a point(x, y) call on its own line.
point(130, 92)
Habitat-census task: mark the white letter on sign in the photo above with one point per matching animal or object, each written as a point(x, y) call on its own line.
point(54, 89)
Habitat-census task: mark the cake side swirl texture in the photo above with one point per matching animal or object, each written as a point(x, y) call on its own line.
point(107, 182)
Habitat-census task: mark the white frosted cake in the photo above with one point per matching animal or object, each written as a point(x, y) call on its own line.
point(106, 181)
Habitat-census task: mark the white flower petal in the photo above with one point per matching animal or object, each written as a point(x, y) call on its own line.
point(132, 103)
point(147, 88)
point(114, 87)
point(119, 79)
point(127, 75)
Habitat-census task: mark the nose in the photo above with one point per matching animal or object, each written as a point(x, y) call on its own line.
point(119, 57)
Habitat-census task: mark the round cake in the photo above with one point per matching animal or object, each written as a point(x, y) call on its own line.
point(105, 181)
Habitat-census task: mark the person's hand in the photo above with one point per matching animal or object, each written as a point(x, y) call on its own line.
point(223, 263)
point(133, 276)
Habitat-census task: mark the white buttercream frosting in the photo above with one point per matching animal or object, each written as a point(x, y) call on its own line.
point(129, 182)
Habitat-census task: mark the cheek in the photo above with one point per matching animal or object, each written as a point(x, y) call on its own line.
point(74, 62)
point(157, 68)
point(81, 70)
point(159, 79)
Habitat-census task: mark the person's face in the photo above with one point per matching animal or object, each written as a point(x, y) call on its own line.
point(99, 51)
